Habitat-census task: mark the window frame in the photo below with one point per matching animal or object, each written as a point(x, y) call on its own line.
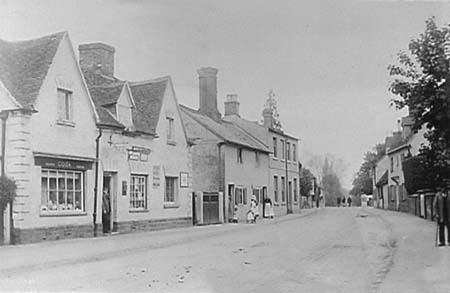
point(294, 152)
point(275, 189)
point(283, 150)
point(44, 210)
point(283, 189)
point(170, 130)
point(133, 199)
point(275, 151)
point(295, 190)
point(174, 180)
point(239, 158)
point(64, 108)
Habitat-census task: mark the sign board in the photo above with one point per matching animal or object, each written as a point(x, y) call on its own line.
point(56, 163)
point(184, 179)
point(156, 176)
point(136, 153)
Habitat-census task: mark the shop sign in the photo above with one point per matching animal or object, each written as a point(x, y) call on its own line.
point(136, 153)
point(57, 163)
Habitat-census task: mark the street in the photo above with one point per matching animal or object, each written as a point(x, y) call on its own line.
point(318, 250)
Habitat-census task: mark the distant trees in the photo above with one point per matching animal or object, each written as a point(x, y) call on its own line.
point(422, 84)
point(306, 182)
point(331, 184)
point(362, 184)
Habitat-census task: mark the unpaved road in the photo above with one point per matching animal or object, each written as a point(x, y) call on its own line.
point(325, 250)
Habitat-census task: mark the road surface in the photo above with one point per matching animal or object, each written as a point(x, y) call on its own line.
point(321, 250)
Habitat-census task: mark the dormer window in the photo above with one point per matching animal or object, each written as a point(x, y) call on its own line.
point(64, 105)
point(124, 115)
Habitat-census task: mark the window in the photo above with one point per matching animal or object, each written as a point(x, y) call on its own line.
point(257, 159)
point(124, 115)
point(170, 195)
point(62, 191)
point(240, 195)
point(170, 131)
point(392, 193)
point(283, 190)
point(64, 105)
point(294, 153)
point(397, 160)
point(239, 156)
point(257, 194)
point(275, 147)
point(282, 149)
point(295, 187)
point(275, 188)
point(392, 164)
point(138, 192)
point(288, 150)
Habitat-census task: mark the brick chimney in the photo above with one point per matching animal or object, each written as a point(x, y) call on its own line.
point(97, 57)
point(207, 77)
point(232, 105)
point(268, 117)
point(407, 124)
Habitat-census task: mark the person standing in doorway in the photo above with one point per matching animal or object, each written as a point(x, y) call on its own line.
point(106, 210)
point(441, 206)
point(349, 201)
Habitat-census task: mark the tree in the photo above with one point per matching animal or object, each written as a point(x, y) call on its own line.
point(362, 184)
point(331, 184)
point(306, 182)
point(422, 84)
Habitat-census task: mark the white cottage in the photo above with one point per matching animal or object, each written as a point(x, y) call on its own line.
point(49, 139)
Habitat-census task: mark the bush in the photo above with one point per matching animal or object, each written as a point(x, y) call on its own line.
point(7, 191)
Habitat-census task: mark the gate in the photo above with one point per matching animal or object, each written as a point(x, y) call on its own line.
point(210, 208)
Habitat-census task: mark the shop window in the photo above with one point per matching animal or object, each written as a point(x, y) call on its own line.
point(62, 191)
point(138, 192)
point(240, 195)
point(171, 192)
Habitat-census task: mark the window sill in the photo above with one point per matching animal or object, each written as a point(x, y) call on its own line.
point(168, 205)
point(65, 123)
point(62, 214)
point(171, 142)
point(139, 211)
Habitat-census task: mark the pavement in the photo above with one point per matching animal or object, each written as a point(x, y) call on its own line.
point(318, 250)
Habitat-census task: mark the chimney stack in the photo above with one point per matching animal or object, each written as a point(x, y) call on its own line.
point(97, 57)
point(232, 105)
point(407, 124)
point(207, 77)
point(268, 118)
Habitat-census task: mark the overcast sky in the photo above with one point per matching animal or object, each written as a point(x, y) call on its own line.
point(326, 61)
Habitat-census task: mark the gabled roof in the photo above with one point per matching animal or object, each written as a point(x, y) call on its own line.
point(24, 66)
point(383, 179)
point(107, 94)
point(148, 97)
point(227, 131)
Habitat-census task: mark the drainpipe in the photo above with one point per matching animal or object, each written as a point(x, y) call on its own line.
point(287, 179)
point(4, 117)
point(219, 148)
point(97, 158)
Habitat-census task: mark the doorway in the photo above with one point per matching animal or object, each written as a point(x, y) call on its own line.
point(109, 202)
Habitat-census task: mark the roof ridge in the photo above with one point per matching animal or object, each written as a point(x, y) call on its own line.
point(57, 34)
point(144, 82)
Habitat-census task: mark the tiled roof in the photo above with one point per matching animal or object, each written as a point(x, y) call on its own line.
point(106, 95)
point(383, 180)
point(24, 65)
point(228, 131)
point(107, 118)
point(254, 129)
point(148, 97)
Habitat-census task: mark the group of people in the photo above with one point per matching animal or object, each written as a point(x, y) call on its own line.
point(253, 212)
point(342, 201)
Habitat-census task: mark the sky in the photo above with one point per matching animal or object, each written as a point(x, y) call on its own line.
point(325, 60)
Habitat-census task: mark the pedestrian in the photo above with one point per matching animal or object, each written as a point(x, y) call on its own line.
point(441, 206)
point(252, 213)
point(349, 201)
point(268, 208)
point(106, 210)
point(338, 201)
point(343, 201)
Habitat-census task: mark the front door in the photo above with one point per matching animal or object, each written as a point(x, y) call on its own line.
point(231, 203)
point(210, 208)
point(109, 203)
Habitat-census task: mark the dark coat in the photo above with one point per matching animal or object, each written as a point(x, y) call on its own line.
point(438, 205)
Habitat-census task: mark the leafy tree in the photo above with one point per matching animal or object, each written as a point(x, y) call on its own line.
point(362, 184)
point(331, 185)
point(306, 182)
point(422, 84)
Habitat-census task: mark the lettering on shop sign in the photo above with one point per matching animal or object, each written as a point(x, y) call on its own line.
point(56, 163)
point(136, 153)
point(156, 176)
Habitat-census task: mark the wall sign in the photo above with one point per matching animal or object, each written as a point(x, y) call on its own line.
point(184, 179)
point(136, 153)
point(56, 163)
point(124, 188)
point(156, 176)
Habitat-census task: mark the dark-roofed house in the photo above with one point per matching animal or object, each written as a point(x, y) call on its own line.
point(284, 182)
point(50, 139)
point(402, 144)
point(144, 153)
point(229, 165)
